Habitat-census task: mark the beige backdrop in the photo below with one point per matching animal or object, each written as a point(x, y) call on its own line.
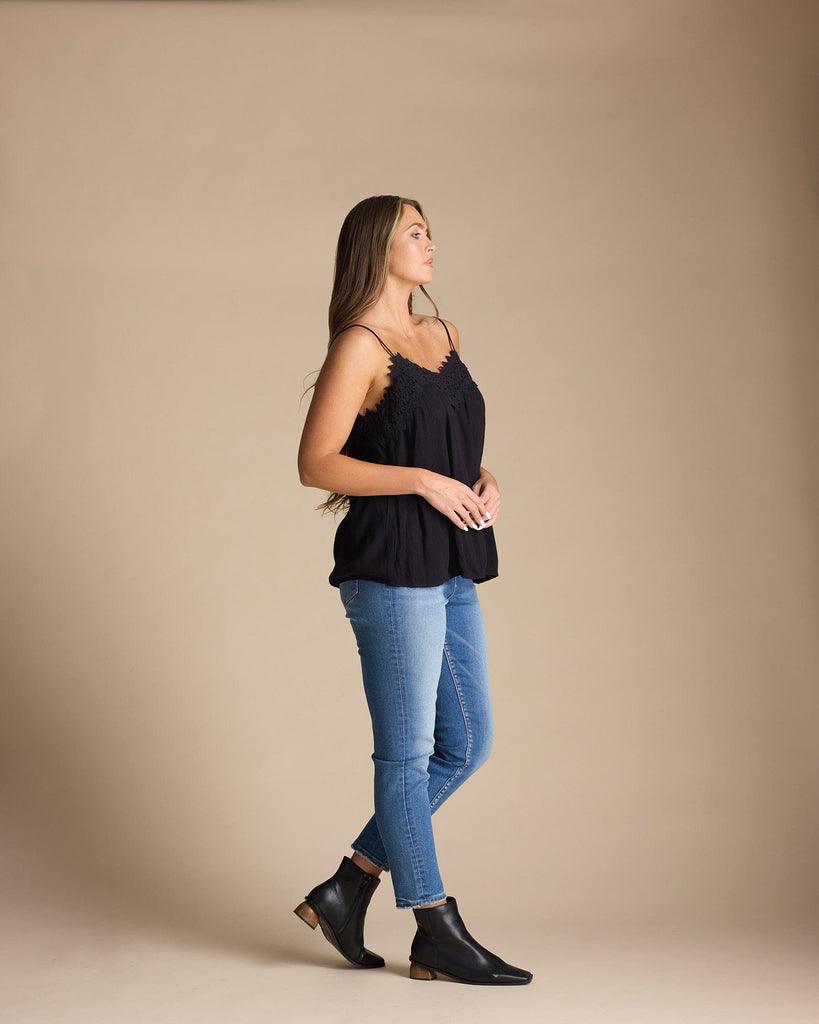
point(623, 195)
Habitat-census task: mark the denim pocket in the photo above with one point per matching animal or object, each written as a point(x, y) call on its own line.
point(348, 590)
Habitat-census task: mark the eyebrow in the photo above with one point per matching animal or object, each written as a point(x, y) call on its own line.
point(417, 225)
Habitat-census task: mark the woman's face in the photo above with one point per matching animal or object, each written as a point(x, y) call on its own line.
point(412, 249)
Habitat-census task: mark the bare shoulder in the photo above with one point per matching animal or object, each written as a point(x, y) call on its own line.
point(453, 333)
point(431, 324)
point(355, 349)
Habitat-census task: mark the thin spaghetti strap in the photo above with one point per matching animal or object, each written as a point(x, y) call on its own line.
point(366, 328)
point(451, 346)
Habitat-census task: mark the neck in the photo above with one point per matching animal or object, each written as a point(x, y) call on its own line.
point(391, 308)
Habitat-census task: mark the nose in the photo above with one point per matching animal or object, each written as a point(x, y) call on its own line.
point(431, 247)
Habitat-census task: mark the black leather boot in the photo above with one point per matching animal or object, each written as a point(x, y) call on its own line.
point(339, 906)
point(443, 945)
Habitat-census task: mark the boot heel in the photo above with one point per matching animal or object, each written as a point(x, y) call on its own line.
point(338, 906)
point(307, 914)
point(419, 973)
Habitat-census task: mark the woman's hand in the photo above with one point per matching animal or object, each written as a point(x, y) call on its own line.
point(458, 502)
point(486, 486)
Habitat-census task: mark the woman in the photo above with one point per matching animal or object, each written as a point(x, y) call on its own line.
point(395, 433)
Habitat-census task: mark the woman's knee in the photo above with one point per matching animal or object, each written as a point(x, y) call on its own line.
point(469, 756)
point(480, 750)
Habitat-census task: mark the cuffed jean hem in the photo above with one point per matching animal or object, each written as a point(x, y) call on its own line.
point(414, 904)
point(368, 856)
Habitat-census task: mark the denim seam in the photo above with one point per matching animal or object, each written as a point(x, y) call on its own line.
point(416, 863)
point(467, 725)
point(469, 744)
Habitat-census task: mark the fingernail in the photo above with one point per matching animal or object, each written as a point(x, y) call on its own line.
point(467, 529)
point(487, 516)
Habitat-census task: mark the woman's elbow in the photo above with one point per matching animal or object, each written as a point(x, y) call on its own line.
point(311, 471)
point(317, 469)
point(305, 475)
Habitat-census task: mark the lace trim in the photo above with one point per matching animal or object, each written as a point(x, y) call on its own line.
point(405, 394)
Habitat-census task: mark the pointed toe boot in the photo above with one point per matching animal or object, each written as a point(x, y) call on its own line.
point(339, 906)
point(442, 945)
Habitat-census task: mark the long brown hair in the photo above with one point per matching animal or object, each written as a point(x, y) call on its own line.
point(361, 267)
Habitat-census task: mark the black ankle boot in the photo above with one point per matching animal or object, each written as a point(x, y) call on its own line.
point(339, 906)
point(442, 944)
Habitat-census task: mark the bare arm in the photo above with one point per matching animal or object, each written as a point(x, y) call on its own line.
point(487, 487)
point(350, 369)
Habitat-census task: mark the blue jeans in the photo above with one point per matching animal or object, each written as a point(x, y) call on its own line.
point(423, 660)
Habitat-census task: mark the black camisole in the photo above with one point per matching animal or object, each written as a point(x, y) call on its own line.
point(428, 419)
